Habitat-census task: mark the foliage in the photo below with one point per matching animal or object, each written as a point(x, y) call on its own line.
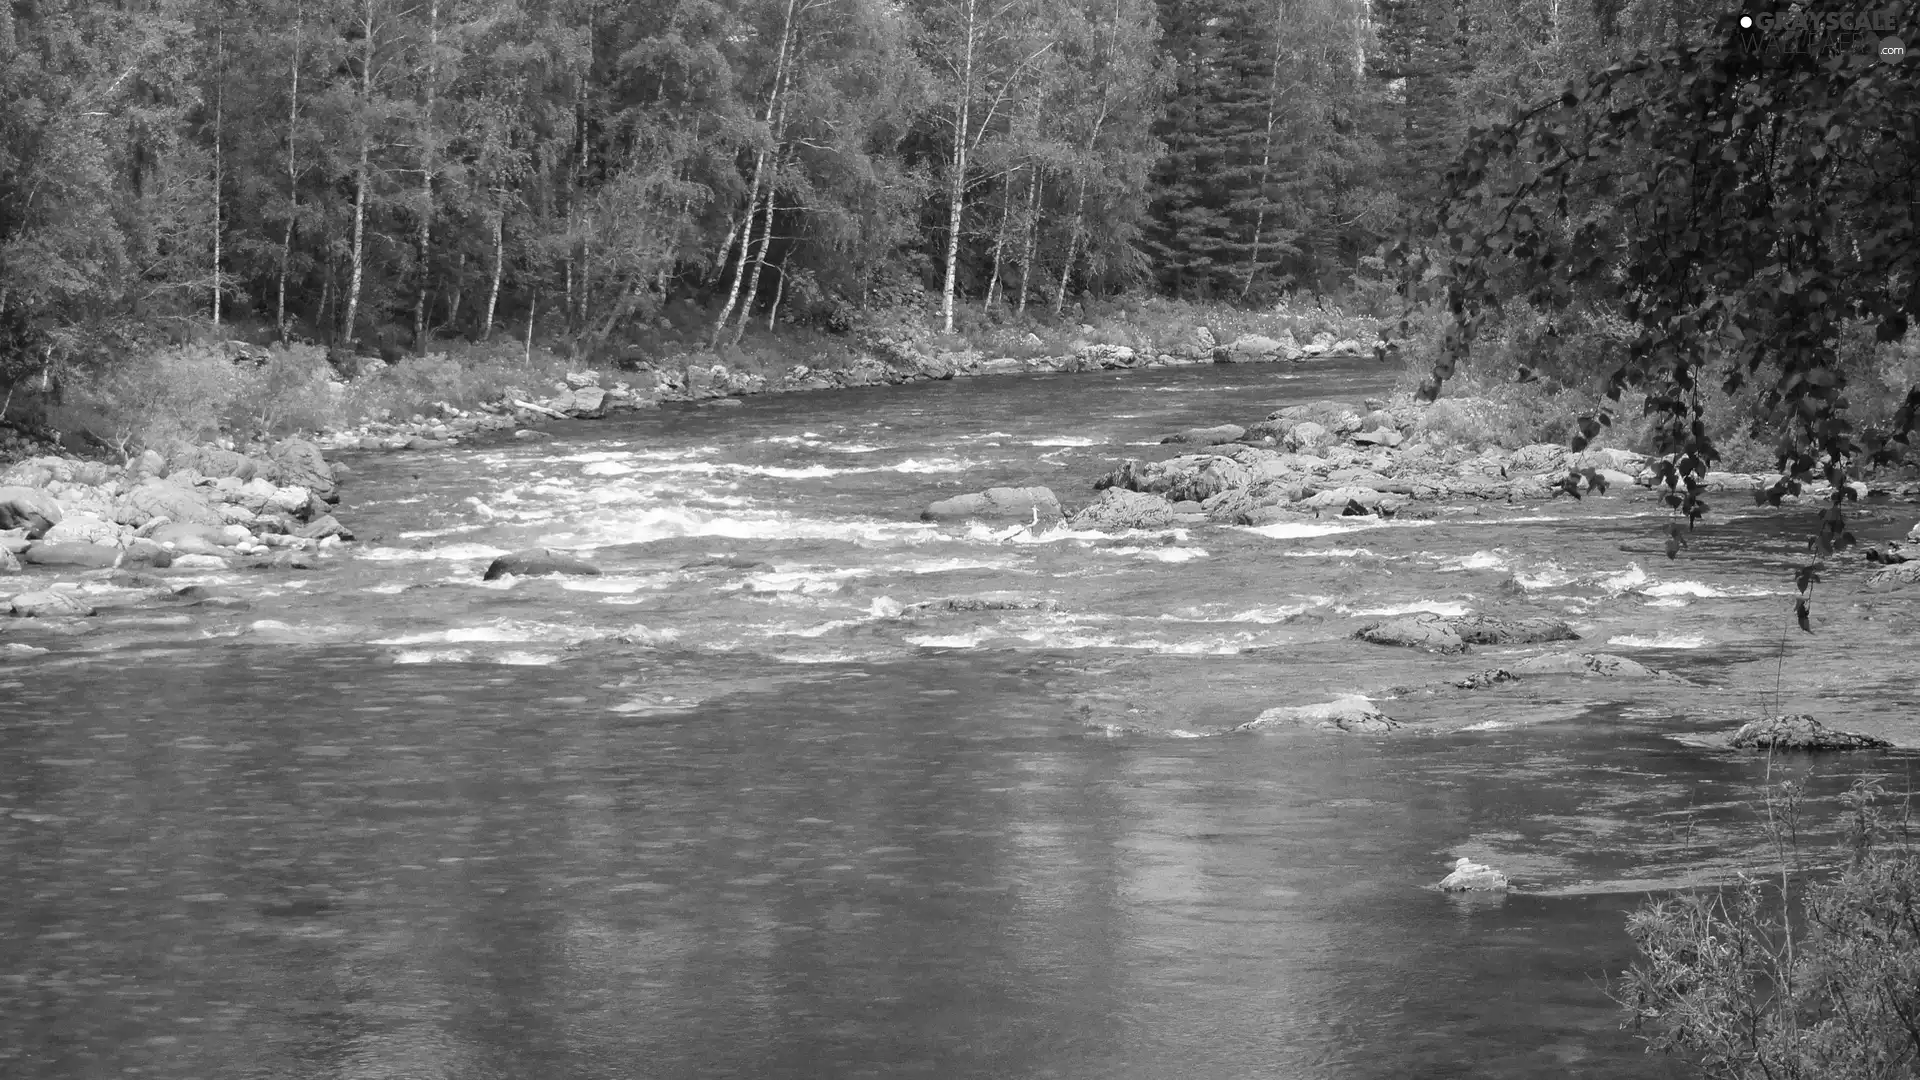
point(1801, 978)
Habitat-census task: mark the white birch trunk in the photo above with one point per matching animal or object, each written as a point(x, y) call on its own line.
point(361, 179)
point(499, 265)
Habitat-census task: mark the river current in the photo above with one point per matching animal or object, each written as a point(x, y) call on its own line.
point(747, 806)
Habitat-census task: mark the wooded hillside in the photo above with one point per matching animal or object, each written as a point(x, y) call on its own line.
point(389, 170)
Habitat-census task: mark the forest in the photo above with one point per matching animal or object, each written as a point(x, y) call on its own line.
point(385, 173)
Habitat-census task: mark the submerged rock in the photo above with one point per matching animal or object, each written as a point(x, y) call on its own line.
point(1118, 508)
point(1208, 436)
point(1349, 712)
point(534, 562)
point(1190, 477)
point(1002, 504)
point(1603, 664)
point(1480, 630)
point(981, 603)
point(49, 602)
point(9, 562)
point(1470, 876)
point(1430, 632)
point(1800, 732)
point(87, 556)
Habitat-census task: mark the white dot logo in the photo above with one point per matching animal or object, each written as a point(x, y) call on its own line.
point(1746, 22)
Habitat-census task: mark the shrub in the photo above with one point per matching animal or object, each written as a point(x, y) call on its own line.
point(1758, 983)
point(160, 400)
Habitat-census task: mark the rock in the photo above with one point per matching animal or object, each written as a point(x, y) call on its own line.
point(84, 529)
point(580, 379)
point(14, 541)
point(1336, 416)
point(1904, 573)
point(28, 508)
point(89, 556)
point(187, 538)
point(1003, 504)
point(1603, 664)
point(587, 402)
point(164, 498)
point(1118, 508)
point(1480, 680)
point(9, 562)
point(285, 559)
point(1342, 497)
point(1109, 357)
point(535, 562)
point(980, 603)
point(1207, 436)
point(49, 602)
point(1381, 437)
point(298, 463)
point(1429, 632)
point(421, 442)
point(1800, 732)
point(322, 527)
point(143, 552)
point(1540, 457)
point(1194, 477)
point(214, 462)
point(1305, 436)
point(1203, 339)
point(1480, 630)
point(1257, 347)
point(1349, 712)
point(1470, 876)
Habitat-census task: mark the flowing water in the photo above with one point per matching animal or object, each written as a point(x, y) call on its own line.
point(739, 808)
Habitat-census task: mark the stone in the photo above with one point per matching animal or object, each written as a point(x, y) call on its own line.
point(322, 527)
point(1207, 436)
point(1190, 477)
point(1380, 437)
point(214, 462)
point(1470, 876)
point(535, 562)
point(1603, 664)
point(1203, 339)
point(1349, 712)
point(9, 562)
point(28, 508)
point(84, 529)
point(980, 603)
point(586, 402)
point(1028, 505)
point(142, 552)
point(1903, 573)
point(1800, 732)
point(580, 379)
point(89, 556)
point(189, 538)
point(1481, 630)
point(49, 602)
point(1118, 509)
point(298, 463)
point(531, 435)
point(164, 498)
point(1429, 632)
point(1257, 347)
point(292, 501)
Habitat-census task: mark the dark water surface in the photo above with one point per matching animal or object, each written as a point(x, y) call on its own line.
point(735, 809)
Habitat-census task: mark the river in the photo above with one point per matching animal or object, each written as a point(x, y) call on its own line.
point(737, 809)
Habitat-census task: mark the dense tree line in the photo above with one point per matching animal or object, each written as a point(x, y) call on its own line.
point(367, 169)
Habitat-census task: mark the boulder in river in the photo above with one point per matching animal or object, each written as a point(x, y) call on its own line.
point(1902, 573)
point(1195, 477)
point(1207, 436)
point(87, 556)
point(1117, 509)
point(165, 499)
point(1349, 712)
point(535, 562)
point(84, 528)
point(49, 602)
point(298, 463)
point(1481, 630)
point(1800, 732)
point(1006, 505)
point(1603, 664)
point(28, 508)
point(1430, 632)
point(9, 562)
point(1470, 876)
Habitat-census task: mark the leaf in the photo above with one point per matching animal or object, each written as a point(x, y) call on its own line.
point(1804, 578)
point(1674, 543)
point(1802, 615)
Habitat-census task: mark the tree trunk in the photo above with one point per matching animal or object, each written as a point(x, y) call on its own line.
point(1073, 245)
point(957, 178)
point(293, 176)
point(499, 262)
point(759, 171)
point(424, 240)
point(219, 111)
point(999, 243)
point(1266, 166)
point(459, 293)
point(1031, 226)
point(533, 306)
point(361, 179)
point(779, 290)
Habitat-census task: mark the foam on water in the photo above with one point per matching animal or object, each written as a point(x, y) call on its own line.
point(1063, 440)
point(670, 522)
point(458, 552)
point(1659, 641)
point(1304, 530)
point(1448, 608)
point(1701, 589)
point(503, 630)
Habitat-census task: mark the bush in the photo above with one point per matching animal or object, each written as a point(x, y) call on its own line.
point(1758, 983)
point(161, 400)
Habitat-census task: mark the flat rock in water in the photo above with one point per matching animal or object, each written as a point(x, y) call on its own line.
point(49, 602)
point(1800, 732)
point(1002, 504)
point(1603, 664)
point(1350, 713)
point(1118, 509)
point(1429, 632)
point(90, 556)
point(1470, 876)
point(9, 562)
point(1905, 573)
point(535, 562)
point(1480, 630)
point(981, 603)
point(1207, 436)
point(165, 499)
